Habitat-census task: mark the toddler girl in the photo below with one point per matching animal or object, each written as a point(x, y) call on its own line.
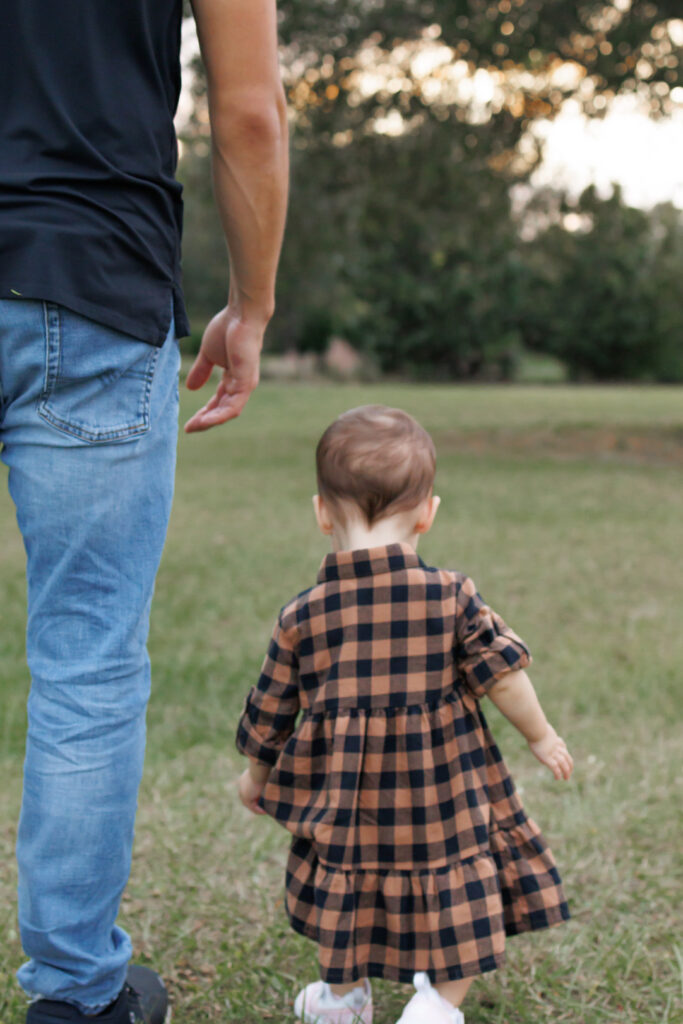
point(412, 857)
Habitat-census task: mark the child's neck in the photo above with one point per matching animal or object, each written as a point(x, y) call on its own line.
point(354, 535)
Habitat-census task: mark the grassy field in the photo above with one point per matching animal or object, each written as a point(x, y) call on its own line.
point(566, 507)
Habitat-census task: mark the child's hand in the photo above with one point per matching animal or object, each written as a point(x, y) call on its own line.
point(250, 791)
point(552, 752)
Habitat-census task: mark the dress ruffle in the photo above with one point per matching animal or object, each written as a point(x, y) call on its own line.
point(390, 924)
point(450, 922)
point(530, 884)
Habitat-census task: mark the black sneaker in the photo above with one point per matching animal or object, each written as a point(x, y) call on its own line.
point(143, 1000)
point(147, 996)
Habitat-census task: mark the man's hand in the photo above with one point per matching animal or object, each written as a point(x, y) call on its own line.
point(250, 790)
point(235, 344)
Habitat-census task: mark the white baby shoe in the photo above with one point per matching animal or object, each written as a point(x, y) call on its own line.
point(317, 1004)
point(428, 1007)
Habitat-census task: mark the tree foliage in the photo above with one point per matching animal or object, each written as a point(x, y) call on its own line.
point(410, 123)
point(604, 296)
point(618, 46)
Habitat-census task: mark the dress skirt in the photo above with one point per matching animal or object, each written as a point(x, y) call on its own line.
point(450, 921)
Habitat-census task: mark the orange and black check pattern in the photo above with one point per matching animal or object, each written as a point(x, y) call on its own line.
point(411, 850)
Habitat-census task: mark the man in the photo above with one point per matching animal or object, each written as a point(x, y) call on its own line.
point(90, 310)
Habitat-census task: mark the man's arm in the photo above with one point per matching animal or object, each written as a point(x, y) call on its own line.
point(250, 163)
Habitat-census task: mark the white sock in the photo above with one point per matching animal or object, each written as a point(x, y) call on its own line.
point(354, 999)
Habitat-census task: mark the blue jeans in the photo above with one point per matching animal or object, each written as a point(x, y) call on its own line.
point(88, 423)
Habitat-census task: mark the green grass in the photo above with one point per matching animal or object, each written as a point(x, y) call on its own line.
point(572, 533)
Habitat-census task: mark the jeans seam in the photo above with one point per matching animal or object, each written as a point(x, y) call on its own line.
point(94, 437)
point(147, 394)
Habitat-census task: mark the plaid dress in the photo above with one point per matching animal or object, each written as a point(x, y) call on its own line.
point(411, 850)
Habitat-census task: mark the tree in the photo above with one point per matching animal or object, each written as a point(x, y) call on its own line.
point(667, 274)
point(410, 123)
point(437, 277)
point(603, 297)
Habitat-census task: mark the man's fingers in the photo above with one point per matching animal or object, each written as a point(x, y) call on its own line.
point(200, 371)
point(219, 409)
point(205, 419)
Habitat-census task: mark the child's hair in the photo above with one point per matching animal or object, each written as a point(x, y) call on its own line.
point(377, 458)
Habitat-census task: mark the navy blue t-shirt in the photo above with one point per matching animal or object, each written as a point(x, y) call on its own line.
point(90, 211)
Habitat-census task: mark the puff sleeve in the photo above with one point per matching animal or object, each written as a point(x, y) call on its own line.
point(485, 647)
point(272, 706)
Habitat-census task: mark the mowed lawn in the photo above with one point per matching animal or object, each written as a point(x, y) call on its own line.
point(565, 505)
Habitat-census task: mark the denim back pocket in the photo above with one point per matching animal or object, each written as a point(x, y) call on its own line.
point(98, 381)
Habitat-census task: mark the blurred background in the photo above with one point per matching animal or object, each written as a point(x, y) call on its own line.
point(481, 189)
point(481, 192)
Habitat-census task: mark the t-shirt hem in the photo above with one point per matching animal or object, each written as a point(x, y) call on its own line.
point(154, 334)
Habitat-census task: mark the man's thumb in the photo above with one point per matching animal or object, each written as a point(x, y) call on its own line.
point(200, 371)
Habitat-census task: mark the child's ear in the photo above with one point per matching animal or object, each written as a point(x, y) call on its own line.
point(322, 515)
point(430, 508)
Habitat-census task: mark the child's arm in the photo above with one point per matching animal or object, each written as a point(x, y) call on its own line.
point(269, 715)
point(251, 784)
point(516, 698)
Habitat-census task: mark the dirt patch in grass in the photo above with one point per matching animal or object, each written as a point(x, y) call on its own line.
point(656, 446)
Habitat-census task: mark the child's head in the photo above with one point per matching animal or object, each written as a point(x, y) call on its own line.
point(373, 464)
